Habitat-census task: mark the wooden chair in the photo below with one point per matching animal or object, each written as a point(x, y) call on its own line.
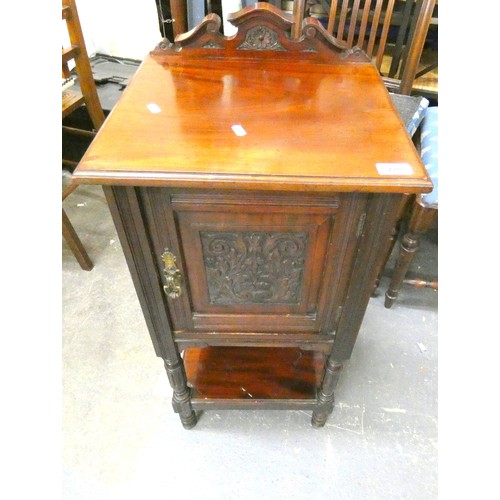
point(72, 238)
point(391, 32)
point(423, 210)
point(72, 100)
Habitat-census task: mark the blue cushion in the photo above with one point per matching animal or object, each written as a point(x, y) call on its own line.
point(418, 116)
point(429, 151)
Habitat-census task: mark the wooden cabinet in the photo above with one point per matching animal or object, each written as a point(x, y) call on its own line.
point(254, 254)
point(264, 292)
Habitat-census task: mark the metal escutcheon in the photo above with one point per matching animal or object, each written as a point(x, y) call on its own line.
point(173, 276)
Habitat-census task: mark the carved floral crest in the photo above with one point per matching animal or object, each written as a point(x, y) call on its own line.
point(261, 38)
point(262, 27)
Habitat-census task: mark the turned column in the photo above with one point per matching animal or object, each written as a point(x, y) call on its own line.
point(326, 397)
point(181, 399)
point(420, 220)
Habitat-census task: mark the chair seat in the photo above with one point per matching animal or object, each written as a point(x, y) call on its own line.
point(411, 109)
point(429, 152)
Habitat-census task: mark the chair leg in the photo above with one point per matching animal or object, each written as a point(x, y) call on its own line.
point(421, 218)
point(75, 244)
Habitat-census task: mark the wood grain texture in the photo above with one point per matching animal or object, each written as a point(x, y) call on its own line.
point(307, 128)
point(303, 125)
point(253, 373)
point(179, 219)
point(382, 212)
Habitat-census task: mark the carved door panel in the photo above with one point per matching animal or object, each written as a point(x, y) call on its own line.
point(261, 263)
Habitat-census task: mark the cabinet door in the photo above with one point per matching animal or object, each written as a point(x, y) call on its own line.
point(254, 263)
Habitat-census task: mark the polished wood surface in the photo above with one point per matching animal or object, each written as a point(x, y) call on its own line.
point(253, 374)
point(222, 237)
point(303, 129)
point(302, 126)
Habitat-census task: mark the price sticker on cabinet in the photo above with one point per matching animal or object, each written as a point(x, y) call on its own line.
point(394, 168)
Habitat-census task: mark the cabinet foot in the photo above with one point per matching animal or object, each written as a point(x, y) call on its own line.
point(326, 396)
point(320, 415)
point(181, 399)
point(181, 402)
point(188, 421)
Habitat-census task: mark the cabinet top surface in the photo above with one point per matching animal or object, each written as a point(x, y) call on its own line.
point(254, 123)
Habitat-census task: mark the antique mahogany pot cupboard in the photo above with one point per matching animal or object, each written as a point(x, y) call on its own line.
point(254, 182)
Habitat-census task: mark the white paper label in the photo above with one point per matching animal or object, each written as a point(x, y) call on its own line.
point(239, 130)
point(394, 168)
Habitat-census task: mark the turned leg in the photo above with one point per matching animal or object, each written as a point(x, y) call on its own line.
point(325, 396)
point(181, 400)
point(392, 242)
point(420, 221)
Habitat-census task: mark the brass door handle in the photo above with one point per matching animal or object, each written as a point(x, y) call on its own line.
point(173, 276)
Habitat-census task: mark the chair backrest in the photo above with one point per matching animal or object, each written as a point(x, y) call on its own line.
point(391, 32)
point(77, 52)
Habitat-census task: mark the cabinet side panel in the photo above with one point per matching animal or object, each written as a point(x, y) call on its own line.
point(341, 253)
point(381, 217)
point(129, 223)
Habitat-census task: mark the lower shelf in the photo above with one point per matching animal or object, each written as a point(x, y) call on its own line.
point(232, 377)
